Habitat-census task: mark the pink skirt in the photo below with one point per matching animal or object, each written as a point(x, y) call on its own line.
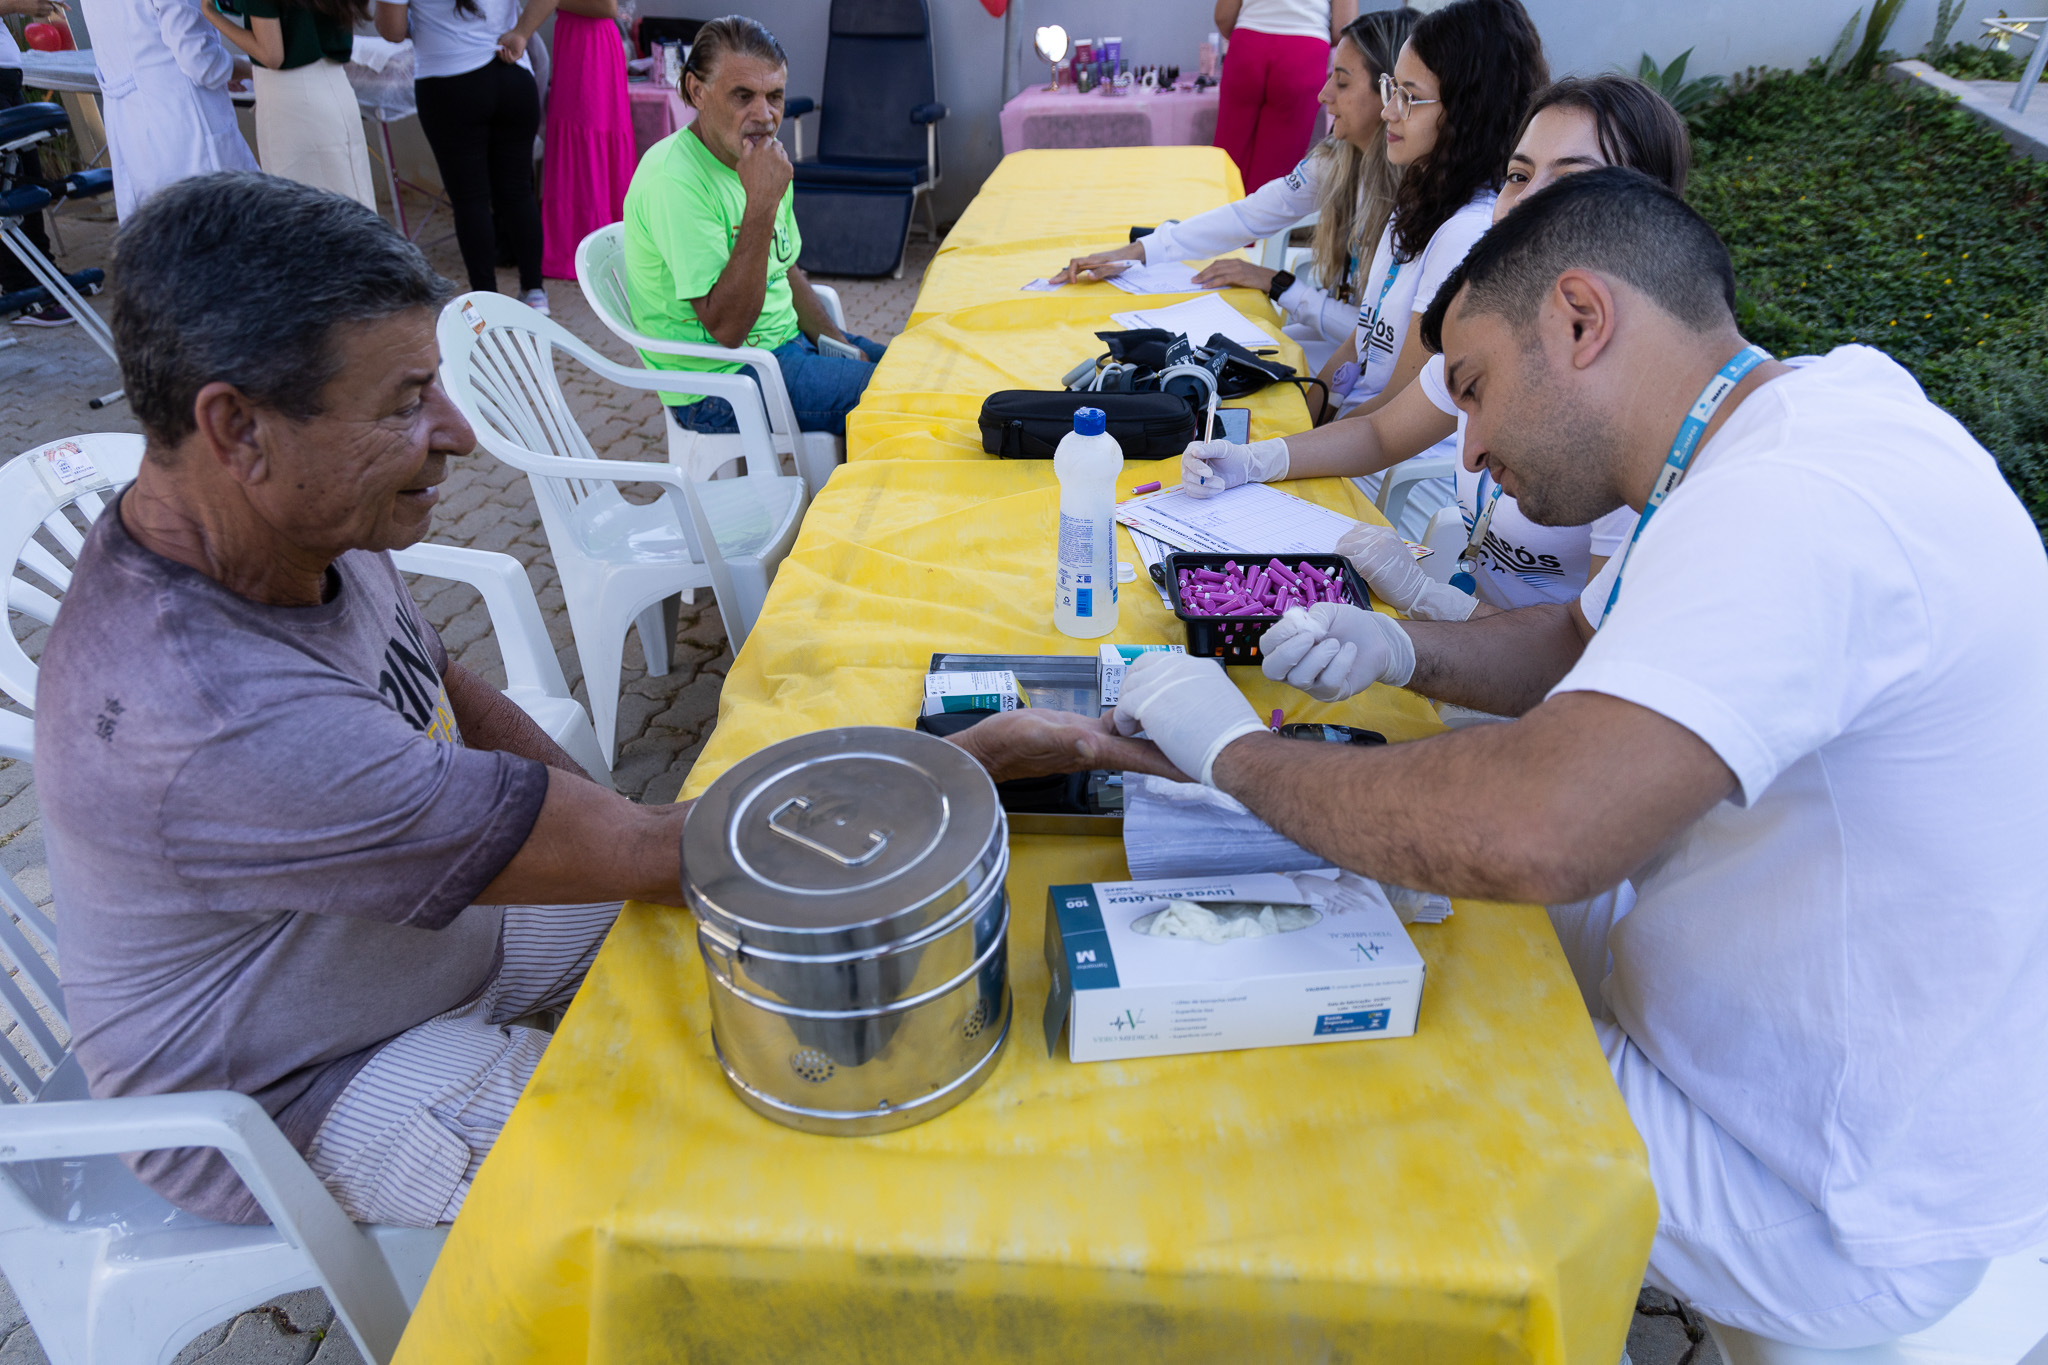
point(589, 157)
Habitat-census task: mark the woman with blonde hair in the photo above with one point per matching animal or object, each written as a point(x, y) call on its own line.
point(1346, 180)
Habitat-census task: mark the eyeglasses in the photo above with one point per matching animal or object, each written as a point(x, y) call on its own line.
point(1398, 101)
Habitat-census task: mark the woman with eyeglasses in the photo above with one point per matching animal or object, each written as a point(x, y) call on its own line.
point(1573, 125)
point(1451, 106)
point(1346, 180)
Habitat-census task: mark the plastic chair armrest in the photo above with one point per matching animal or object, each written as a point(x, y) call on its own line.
point(508, 599)
point(793, 112)
point(363, 1288)
point(928, 113)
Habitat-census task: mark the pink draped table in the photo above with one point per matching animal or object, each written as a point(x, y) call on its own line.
point(657, 112)
point(1066, 118)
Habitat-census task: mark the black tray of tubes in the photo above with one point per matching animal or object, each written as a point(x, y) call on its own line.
point(1235, 639)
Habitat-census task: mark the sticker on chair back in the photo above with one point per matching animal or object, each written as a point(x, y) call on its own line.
point(472, 317)
point(67, 471)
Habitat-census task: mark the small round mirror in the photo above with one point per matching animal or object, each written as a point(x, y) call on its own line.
point(1052, 43)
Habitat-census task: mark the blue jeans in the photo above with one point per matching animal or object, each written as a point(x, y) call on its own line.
point(822, 389)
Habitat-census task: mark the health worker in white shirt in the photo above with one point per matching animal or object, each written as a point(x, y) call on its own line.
point(164, 78)
point(1574, 124)
point(1810, 727)
point(1346, 181)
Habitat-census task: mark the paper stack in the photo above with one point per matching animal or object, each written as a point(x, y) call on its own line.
point(1184, 829)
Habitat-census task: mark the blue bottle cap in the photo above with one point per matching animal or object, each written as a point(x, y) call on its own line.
point(1089, 422)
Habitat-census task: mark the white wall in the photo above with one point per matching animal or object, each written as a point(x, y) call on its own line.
point(977, 71)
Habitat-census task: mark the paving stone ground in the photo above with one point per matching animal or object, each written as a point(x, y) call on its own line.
point(45, 382)
point(46, 379)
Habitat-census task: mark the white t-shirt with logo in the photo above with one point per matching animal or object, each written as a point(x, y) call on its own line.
point(1525, 563)
point(1387, 310)
point(1845, 963)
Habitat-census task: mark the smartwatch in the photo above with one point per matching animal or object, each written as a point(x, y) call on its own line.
point(1282, 282)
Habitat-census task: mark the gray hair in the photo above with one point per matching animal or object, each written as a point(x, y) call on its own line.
point(733, 33)
point(241, 278)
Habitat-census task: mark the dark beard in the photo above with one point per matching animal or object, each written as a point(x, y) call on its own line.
point(1564, 460)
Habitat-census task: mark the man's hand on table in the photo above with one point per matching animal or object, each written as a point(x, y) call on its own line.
point(1038, 742)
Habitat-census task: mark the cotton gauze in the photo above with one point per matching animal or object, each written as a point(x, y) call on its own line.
point(1187, 919)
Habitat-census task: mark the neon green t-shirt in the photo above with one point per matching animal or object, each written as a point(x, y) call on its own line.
point(683, 213)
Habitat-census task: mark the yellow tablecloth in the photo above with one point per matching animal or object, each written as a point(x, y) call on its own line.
point(925, 394)
point(1473, 1193)
point(973, 332)
point(1093, 197)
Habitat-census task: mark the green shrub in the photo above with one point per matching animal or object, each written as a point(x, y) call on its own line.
point(1880, 214)
point(1975, 62)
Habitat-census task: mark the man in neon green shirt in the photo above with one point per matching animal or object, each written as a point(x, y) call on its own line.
point(712, 241)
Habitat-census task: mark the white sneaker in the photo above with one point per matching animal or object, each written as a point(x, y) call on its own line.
point(537, 300)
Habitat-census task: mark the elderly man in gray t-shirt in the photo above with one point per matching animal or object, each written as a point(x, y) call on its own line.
point(296, 851)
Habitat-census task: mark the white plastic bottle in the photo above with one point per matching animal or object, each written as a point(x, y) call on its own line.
point(1084, 577)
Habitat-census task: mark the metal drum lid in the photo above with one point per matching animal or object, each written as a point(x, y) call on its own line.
point(843, 839)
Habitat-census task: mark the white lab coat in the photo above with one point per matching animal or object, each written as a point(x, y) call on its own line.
point(163, 75)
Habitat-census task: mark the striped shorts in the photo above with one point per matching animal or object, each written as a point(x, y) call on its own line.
point(406, 1136)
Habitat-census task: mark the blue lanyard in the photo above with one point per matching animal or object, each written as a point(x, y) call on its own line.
point(1683, 446)
point(1466, 577)
point(1385, 286)
point(1475, 547)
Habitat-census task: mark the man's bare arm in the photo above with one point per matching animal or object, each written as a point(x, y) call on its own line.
point(811, 318)
point(1038, 742)
point(1505, 662)
point(492, 720)
point(732, 307)
point(1562, 804)
point(590, 844)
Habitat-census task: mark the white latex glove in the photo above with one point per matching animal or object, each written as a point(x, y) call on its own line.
point(1388, 567)
point(1209, 467)
point(1332, 650)
point(1187, 706)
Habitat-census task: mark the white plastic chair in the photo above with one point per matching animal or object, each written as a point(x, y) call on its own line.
point(1447, 537)
point(105, 1268)
point(533, 675)
point(1391, 489)
point(41, 535)
point(1274, 253)
point(621, 564)
point(2004, 1322)
point(601, 271)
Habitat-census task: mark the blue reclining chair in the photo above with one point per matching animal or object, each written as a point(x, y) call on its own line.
point(878, 139)
point(21, 129)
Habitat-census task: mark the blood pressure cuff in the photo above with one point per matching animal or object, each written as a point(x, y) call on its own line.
point(1239, 372)
point(1027, 424)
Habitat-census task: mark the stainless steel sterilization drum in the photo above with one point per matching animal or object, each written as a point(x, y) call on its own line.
point(848, 889)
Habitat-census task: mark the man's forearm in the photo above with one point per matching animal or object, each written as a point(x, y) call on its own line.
point(1504, 663)
point(589, 844)
point(492, 720)
point(1555, 807)
point(732, 307)
point(811, 318)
